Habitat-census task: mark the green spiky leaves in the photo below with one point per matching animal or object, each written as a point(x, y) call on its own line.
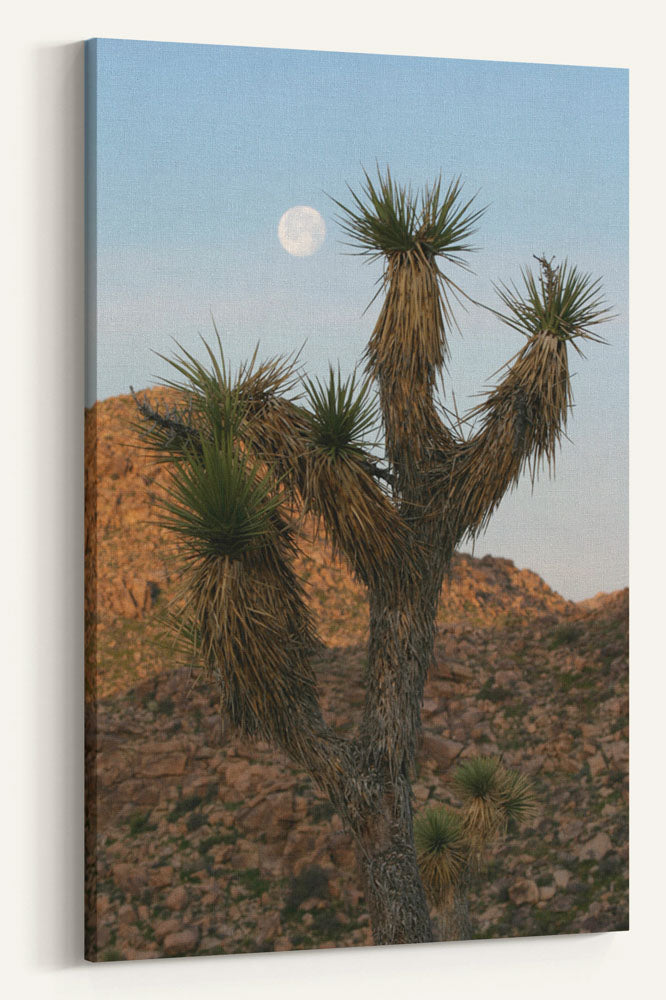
point(341, 414)
point(340, 491)
point(413, 232)
point(441, 851)
point(451, 845)
point(477, 778)
point(561, 301)
point(388, 218)
point(230, 442)
point(493, 795)
point(219, 503)
point(210, 401)
point(517, 797)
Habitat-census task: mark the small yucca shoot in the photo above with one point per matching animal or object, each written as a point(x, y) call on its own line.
point(441, 852)
point(517, 799)
point(493, 796)
point(479, 783)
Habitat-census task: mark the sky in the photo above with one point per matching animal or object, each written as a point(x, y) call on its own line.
point(196, 152)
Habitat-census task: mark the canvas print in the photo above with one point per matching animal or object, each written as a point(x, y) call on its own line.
point(356, 500)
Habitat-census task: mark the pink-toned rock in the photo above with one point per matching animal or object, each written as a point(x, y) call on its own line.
point(169, 765)
point(273, 817)
point(440, 749)
point(617, 751)
point(131, 878)
point(470, 718)
point(505, 678)
point(312, 903)
point(103, 937)
point(221, 853)
point(147, 950)
point(138, 792)
point(246, 855)
point(238, 776)
point(300, 843)
point(597, 848)
point(176, 743)
point(160, 878)
point(282, 944)
point(561, 878)
point(341, 849)
point(177, 898)
point(210, 943)
point(546, 892)
point(524, 891)
point(181, 942)
point(161, 928)
point(268, 926)
point(126, 915)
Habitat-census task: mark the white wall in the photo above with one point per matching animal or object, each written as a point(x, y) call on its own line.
point(42, 190)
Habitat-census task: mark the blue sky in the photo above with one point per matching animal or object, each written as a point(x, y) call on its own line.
point(200, 150)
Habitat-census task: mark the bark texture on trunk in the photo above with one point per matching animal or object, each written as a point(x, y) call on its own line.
point(388, 867)
point(400, 652)
point(394, 895)
point(457, 923)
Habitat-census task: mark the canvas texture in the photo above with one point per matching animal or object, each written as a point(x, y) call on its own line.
point(356, 606)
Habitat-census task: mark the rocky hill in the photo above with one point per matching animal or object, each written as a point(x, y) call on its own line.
point(200, 843)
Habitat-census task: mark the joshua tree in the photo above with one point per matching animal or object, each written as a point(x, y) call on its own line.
point(451, 846)
point(255, 457)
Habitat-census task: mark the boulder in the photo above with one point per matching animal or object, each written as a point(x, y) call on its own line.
point(597, 848)
point(524, 891)
point(440, 749)
point(181, 942)
point(131, 878)
point(177, 898)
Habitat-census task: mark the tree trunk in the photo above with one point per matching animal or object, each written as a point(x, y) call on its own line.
point(386, 858)
point(399, 654)
point(457, 923)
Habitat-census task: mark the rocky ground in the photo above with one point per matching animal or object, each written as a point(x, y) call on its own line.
point(202, 844)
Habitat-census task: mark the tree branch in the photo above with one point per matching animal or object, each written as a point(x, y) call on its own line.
point(523, 421)
point(175, 427)
point(170, 429)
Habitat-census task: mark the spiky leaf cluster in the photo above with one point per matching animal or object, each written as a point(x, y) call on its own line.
point(388, 218)
point(413, 233)
point(561, 301)
point(492, 796)
point(218, 502)
point(441, 850)
point(246, 461)
point(522, 419)
point(340, 490)
point(341, 414)
point(450, 845)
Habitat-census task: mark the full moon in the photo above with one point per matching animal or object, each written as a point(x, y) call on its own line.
point(301, 230)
